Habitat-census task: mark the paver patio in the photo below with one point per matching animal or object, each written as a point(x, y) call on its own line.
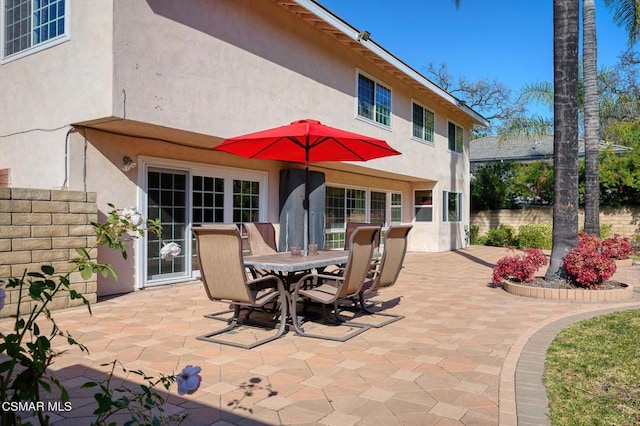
point(452, 361)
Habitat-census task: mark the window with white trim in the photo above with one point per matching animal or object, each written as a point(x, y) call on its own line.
point(378, 208)
point(451, 206)
point(423, 123)
point(456, 138)
point(374, 101)
point(344, 205)
point(29, 24)
point(396, 208)
point(183, 195)
point(423, 205)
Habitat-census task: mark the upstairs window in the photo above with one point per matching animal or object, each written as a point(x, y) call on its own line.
point(456, 135)
point(374, 101)
point(423, 123)
point(29, 24)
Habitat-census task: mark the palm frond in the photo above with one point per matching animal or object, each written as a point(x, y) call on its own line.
point(525, 127)
point(540, 92)
point(626, 14)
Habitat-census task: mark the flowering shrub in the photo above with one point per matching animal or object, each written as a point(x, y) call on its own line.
point(521, 268)
point(26, 352)
point(587, 265)
point(617, 247)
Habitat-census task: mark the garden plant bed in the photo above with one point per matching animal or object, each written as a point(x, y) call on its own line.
point(611, 291)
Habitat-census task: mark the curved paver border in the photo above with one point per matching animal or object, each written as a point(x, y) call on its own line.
point(522, 396)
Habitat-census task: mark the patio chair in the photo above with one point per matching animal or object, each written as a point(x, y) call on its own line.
point(219, 251)
point(387, 271)
point(262, 240)
point(262, 237)
point(328, 289)
point(351, 227)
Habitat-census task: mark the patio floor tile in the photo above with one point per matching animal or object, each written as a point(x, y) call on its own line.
point(451, 361)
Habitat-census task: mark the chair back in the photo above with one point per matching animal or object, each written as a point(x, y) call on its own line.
point(351, 227)
point(262, 238)
point(219, 251)
point(395, 248)
point(359, 261)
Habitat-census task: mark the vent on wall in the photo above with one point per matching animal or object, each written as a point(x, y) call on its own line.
point(5, 178)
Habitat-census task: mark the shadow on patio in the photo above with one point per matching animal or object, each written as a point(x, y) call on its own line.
point(453, 357)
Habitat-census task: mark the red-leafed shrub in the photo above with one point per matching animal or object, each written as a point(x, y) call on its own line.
point(587, 265)
point(617, 247)
point(521, 268)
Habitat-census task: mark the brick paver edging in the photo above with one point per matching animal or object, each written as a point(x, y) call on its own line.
point(522, 396)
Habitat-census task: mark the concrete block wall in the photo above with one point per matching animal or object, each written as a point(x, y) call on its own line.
point(44, 227)
point(623, 220)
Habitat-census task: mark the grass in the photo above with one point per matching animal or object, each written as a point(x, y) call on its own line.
point(592, 372)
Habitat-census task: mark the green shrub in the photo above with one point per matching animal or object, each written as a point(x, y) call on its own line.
point(474, 235)
point(537, 235)
point(605, 230)
point(502, 236)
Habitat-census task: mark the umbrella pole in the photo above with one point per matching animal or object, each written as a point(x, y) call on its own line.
point(305, 204)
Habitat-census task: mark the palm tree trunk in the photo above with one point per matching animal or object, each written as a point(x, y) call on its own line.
point(591, 119)
point(565, 138)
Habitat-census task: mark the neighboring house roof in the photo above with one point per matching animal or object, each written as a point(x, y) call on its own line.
point(323, 19)
point(522, 149)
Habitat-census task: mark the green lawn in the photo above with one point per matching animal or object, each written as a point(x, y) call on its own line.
point(592, 372)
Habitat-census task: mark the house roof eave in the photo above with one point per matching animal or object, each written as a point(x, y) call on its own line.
point(327, 21)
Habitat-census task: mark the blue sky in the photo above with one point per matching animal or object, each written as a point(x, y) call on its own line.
point(511, 41)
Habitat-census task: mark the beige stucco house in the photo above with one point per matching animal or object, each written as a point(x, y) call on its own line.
point(87, 83)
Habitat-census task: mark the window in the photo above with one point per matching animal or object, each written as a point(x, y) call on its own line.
point(396, 208)
point(378, 208)
point(343, 205)
point(374, 101)
point(246, 201)
point(456, 135)
point(32, 23)
point(423, 123)
point(166, 200)
point(182, 195)
point(451, 206)
point(423, 205)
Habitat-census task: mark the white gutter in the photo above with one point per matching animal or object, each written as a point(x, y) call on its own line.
point(348, 30)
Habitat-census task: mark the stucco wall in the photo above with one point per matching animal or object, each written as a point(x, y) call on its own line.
point(42, 227)
point(44, 92)
point(623, 220)
point(217, 68)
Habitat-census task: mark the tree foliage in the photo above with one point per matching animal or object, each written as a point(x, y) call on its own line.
point(492, 98)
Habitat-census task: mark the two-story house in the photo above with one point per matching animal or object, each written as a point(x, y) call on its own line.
point(126, 98)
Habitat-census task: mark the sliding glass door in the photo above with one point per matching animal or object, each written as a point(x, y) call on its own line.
point(182, 195)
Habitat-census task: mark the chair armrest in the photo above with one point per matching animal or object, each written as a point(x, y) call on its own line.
point(294, 287)
point(261, 283)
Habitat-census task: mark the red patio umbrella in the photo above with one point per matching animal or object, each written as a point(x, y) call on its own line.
point(307, 141)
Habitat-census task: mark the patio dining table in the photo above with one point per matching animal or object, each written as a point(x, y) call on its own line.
point(285, 262)
point(287, 266)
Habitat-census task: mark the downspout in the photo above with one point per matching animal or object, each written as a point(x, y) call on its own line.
point(66, 159)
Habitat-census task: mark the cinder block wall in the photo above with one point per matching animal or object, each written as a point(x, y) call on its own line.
point(623, 220)
point(44, 227)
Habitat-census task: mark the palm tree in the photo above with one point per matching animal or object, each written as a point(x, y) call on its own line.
point(565, 135)
point(626, 13)
point(591, 119)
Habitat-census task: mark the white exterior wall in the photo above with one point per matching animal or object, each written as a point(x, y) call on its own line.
point(193, 69)
point(218, 68)
point(51, 89)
